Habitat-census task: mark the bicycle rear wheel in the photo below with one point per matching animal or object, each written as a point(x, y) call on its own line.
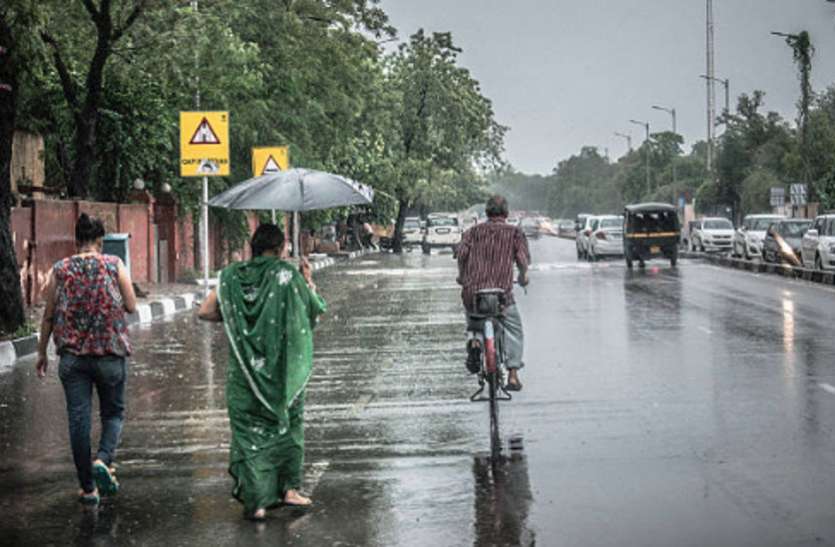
point(493, 380)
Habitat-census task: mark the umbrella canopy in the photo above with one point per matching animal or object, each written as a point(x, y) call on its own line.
point(295, 190)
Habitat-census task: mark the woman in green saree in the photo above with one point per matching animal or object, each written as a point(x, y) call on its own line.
point(268, 309)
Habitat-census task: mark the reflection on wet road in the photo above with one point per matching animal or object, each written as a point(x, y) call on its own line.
point(661, 407)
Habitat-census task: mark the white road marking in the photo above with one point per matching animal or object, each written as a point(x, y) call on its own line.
point(829, 388)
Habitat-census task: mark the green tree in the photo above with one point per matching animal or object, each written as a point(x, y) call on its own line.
point(444, 129)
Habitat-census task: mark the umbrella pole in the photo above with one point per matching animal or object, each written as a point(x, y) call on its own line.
point(296, 222)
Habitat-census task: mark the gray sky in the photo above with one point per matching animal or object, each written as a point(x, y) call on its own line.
point(568, 73)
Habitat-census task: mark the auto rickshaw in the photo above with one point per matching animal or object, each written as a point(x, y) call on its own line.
point(650, 230)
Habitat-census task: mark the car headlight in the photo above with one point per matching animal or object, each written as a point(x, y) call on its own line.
point(832, 248)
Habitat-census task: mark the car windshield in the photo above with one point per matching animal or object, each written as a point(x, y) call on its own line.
point(794, 229)
point(830, 227)
point(611, 223)
point(443, 221)
point(719, 224)
point(759, 224)
point(410, 224)
point(652, 221)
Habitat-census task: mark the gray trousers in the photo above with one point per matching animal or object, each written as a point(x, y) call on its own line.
point(514, 337)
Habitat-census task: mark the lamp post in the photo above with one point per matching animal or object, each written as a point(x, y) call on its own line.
point(727, 85)
point(672, 112)
point(646, 149)
point(628, 139)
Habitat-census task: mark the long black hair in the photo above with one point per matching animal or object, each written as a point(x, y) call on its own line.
point(88, 230)
point(266, 237)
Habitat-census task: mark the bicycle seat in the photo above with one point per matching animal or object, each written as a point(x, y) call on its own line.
point(488, 303)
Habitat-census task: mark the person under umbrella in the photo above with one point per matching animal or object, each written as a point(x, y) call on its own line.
point(268, 309)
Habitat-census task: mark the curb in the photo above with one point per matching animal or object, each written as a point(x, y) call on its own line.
point(783, 270)
point(146, 312)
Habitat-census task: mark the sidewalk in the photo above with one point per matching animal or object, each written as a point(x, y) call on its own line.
point(795, 272)
point(161, 301)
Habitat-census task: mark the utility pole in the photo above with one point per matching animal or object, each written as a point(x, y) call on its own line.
point(711, 88)
point(672, 112)
point(646, 150)
point(628, 139)
point(204, 208)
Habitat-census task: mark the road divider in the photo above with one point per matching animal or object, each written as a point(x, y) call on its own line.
point(785, 270)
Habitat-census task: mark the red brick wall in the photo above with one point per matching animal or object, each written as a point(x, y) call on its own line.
point(54, 227)
point(133, 220)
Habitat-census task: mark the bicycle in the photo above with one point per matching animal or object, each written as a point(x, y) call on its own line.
point(485, 326)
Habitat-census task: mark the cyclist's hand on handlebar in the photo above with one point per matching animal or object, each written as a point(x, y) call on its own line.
point(524, 280)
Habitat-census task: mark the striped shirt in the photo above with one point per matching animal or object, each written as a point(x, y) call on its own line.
point(486, 256)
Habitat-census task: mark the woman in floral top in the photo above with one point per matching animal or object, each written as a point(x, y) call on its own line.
point(87, 296)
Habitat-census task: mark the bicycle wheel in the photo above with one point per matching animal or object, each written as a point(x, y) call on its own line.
point(493, 380)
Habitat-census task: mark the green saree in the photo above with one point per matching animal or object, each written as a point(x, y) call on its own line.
point(268, 314)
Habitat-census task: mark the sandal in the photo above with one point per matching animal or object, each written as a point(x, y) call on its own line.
point(302, 505)
point(105, 478)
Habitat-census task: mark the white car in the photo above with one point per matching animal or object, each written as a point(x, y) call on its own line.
point(712, 234)
point(749, 237)
point(584, 231)
point(818, 246)
point(607, 238)
point(442, 230)
point(412, 232)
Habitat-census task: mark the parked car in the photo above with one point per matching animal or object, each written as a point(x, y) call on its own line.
point(748, 238)
point(650, 230)
point(712, 234)
point(583, 234)
point(818, 244)
point(783, 239)
point(442, 230)
point(412, 232)
point(607, 238)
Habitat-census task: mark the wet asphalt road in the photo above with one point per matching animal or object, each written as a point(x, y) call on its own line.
point(689, 406)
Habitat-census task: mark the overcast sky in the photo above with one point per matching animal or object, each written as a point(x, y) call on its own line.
point(568, 73)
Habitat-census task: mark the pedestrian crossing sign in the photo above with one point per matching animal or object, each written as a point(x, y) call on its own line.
point(269, 159)
point(204, 144)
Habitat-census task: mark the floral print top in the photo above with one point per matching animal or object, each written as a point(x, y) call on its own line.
point(89, 317)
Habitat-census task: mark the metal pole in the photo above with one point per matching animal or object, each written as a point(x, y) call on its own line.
point(204, 222)
point(711, 90)
point(272, 214)
point(296, 227)
point(727, 83)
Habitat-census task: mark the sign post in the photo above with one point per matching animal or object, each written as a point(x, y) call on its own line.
point(204, 151)
point(270, 159)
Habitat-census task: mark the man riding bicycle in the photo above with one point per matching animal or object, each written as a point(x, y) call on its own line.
point(486, 256)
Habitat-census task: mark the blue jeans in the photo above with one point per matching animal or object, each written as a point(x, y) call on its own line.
point(79, 373)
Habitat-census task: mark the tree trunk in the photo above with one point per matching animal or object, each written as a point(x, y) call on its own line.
point(12, 315)
point(402, 209)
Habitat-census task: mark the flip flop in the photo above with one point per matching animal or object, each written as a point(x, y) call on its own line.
point(105, 479)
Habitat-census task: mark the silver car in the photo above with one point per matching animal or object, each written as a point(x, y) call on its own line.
point(712, 234)
point(749, 237)
point(607, 238)
point(817, 249)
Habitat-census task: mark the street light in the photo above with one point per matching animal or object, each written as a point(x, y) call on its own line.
point(646, 149)
point(672, 112)
point(627, 137)
point(727, 85)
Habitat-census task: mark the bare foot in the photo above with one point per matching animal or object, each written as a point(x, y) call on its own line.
point(260, 514)
point(292, 497)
